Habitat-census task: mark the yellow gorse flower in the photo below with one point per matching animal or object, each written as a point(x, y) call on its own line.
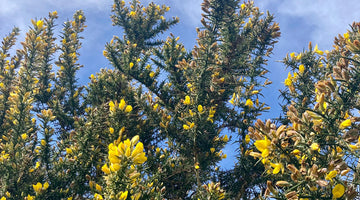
point(98, 196)
point(123, 195)
point(247, 139)
point(346, 123)
point(232, 100)
point(296, 152)
point(187, 100)
point(128, 108)
point(105, 169)
point(331, 175)
point(24, 136)
point(155, 107)
point(263, 146)
point(39, 187)
point(98, 187)
point(152, 74)
point(338, 191)
point(197, 166)
point(111, 106)
point(301, 69)
point(292, 55)
point(225, 139)
point(200, 108)
point(122, 104)
point(188, 125)
point(132, 13)
point(277, 167)
point(68, 151)
point(249, 103)
point(130, 150)
point(288, 81)
point(354, 147)
point(4, 156)
point(316, 50)
point(39, 24)
point(315, 147)
point(191, 113)
point(30, 197)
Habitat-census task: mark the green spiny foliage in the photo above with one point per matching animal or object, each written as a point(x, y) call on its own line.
point(153, 126)
point(314, 155)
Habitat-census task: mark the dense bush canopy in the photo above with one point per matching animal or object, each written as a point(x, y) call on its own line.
point(153, 125)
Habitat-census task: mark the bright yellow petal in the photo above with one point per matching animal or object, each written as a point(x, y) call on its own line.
point(261, 145)
point(138, 149)
point(346, 123)
point(123, 195)
point(187, 100)
point(140, 158)
point(265, 153)
point(114, 167)
point(122, 104)
point(338, 191)
point(249, 103)
point(105, 169)
point(46, 185)
point(331, 175)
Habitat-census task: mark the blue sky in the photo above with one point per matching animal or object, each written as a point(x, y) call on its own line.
point(301, 21)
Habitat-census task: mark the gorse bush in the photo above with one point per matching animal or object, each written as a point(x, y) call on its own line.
point(151, 127)
point(154, 124)
point(315, 154)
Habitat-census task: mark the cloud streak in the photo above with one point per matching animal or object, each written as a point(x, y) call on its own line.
point(325, 18)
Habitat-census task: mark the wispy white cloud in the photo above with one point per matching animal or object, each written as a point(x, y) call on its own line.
point(187, 10)
point(327, 19)
point(190, 10)
point(301, 22)
point(19, 12)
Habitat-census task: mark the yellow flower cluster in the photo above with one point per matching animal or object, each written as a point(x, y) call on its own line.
point(187, 100)
point(316, 50)
point(38, 188)
point(290, 79)
point(98, 196)
point(233, 99)
point(276, 161)
point(301, 69)
point(249, 103)
point(122, 106)
point(214, 191)
point(200, 108)
point(212, 112)
point(188, 125)
point(40, 24)
point(263, 146)
point(4, 156)
point(344, 124)
point(127, 151)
